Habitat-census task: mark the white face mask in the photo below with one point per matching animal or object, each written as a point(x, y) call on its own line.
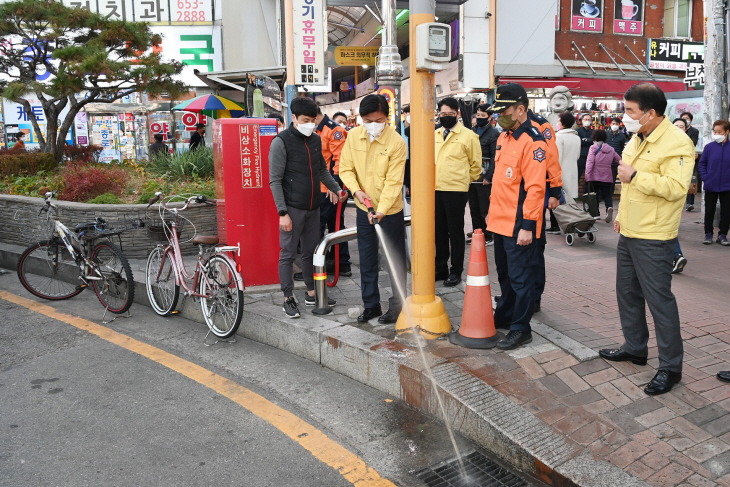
point(632, 125)
point(718, 138)
point(408, 119)
point(374, 129)
point(586, 124)
point(614, 128)
point(343, 126)
point(305, 129)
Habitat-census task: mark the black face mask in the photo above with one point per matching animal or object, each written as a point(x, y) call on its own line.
point(483, 122)
point(448, 122)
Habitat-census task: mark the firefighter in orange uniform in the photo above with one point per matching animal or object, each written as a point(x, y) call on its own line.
point(553, 191)
point(516, 213)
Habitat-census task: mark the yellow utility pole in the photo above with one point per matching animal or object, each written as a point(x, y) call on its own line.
point(425, 309)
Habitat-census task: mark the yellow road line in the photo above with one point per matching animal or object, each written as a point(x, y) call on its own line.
point(349, 465)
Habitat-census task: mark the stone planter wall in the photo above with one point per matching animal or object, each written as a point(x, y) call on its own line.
point(136, 243)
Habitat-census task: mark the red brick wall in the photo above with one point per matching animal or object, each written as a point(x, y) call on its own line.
point(588, 43)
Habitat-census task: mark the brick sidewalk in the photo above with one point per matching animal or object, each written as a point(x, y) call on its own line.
point(680, 438)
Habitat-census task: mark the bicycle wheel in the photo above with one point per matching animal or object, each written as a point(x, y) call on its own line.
point(223, 308)
point(162, 290)
point(48, 271)
point(115, 289)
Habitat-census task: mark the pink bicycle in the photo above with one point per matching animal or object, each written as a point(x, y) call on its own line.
point(216, 280)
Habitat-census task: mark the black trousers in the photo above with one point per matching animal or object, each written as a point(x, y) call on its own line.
point(517, 269)
point(394, 231)
point(479, 196)
point(711, 199)
point(604, 192)
point(328, 219)
point(450, 208)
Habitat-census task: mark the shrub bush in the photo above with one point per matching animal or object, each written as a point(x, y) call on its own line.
point(105, 199)
point(36, 185)
point(83, 182)
point(83, 153)
point(18, 163)
point(188, 164)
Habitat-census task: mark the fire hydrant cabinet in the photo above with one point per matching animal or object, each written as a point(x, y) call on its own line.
point(247, 215)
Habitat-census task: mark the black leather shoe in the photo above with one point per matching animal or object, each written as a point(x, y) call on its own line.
point(662, 382)
point(345, 270)
point(497, 297)
point(536, 309)
point(724, 376)
point(452, 280)
point(515, 339)
point(618, 355)
point(369, 314)
point(442, 276)
point(298, 276)
point(389, 317)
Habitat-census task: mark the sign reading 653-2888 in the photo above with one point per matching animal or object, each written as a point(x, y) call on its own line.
point(192, 11)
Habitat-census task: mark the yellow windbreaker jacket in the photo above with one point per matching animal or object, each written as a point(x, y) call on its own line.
point(458, 159)
point(651, 204)
point(375, 167)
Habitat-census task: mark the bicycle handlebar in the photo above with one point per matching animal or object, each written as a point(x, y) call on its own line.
point(200, 199)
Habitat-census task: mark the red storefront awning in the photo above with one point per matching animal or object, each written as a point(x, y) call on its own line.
point(594, 87)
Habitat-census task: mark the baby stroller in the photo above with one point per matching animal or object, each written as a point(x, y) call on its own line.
point(575, 220)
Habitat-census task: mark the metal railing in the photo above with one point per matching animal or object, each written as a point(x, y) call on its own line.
point(320, 285)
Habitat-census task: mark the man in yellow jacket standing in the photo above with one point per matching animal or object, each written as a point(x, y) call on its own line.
point(458, 163)
point(372, 164)
point(655, 173)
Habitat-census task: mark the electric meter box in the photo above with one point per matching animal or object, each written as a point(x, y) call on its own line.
point(433, 46)
point(247, 215)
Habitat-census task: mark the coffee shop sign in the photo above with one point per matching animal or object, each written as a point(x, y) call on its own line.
point(587, 16)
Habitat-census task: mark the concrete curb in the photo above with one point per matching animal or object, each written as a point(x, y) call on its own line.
point(477, 410)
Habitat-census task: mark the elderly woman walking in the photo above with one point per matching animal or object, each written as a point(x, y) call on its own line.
point(598, 170)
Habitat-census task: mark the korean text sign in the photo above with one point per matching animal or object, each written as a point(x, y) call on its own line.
point(674, 55)
point(250, 156)
point(309, 42)
point(628, 17)
point(164, 12)
point(587, 15)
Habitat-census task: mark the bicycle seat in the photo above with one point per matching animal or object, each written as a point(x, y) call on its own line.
point(205, 240)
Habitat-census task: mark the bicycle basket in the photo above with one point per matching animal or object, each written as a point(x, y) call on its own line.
point(34, 224)
point(159, 227)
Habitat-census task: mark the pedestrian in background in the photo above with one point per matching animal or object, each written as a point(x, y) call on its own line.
point(372, 166)
point(615, 138)
point(159, 147)
point(19, 145)
point(715, 173)
point(569, 147)
point(458, 163)
point(694, 135)
point(296, 167)
point(585, 132)
point(280, 125)
point(198, 137)
point(655, 173)
point(480, 191)
point(598, 170)
point(516, 213)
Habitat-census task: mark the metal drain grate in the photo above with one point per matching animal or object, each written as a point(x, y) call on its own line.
point(480, 472)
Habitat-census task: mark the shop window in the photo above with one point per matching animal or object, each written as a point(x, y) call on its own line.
point(677, 18)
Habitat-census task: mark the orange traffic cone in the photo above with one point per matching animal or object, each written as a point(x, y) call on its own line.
point(477, 321)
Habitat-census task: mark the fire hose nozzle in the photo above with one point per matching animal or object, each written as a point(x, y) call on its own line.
point(371, 210)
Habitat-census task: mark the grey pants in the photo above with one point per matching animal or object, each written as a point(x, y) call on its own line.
point(644, 276)
point(305, 227)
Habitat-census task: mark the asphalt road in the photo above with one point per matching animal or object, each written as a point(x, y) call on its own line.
point(77, 410)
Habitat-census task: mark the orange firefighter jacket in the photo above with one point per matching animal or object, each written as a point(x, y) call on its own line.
point(518, 185)
point(333, 140)
point(554, 171)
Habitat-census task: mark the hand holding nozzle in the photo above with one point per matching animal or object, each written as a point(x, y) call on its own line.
point(372, 214)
